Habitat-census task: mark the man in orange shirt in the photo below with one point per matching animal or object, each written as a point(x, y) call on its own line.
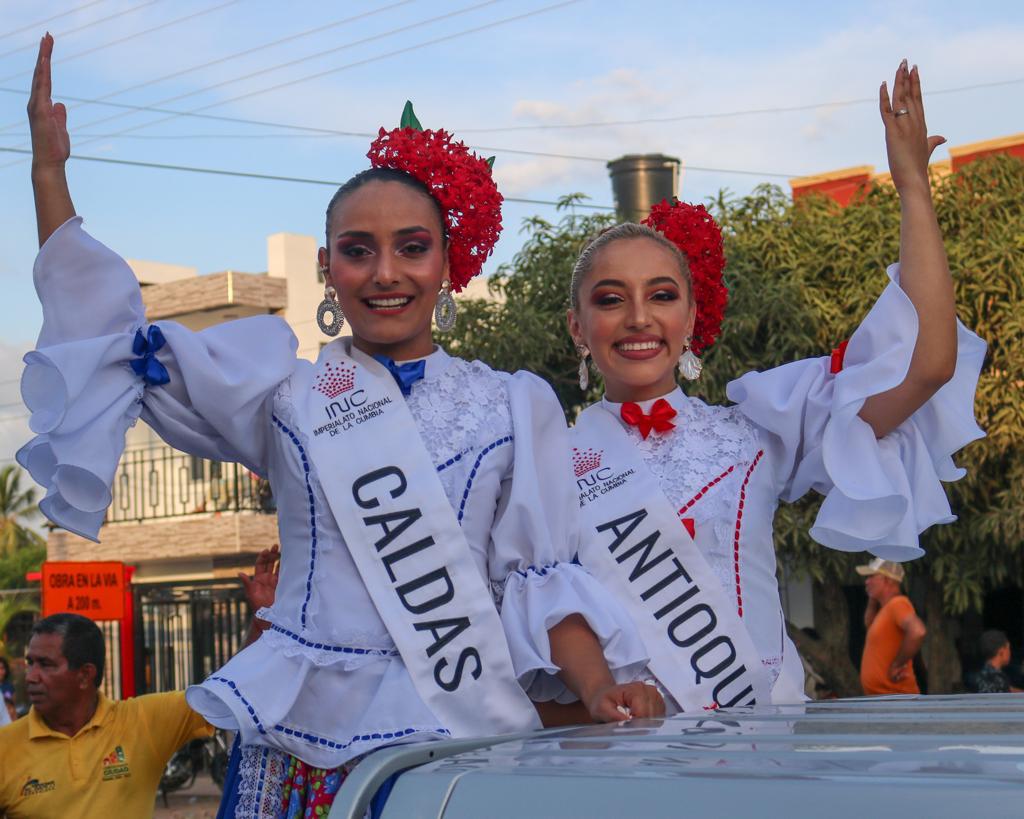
point(895, 632)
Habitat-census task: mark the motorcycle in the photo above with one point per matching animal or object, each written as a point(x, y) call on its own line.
point(211, 754)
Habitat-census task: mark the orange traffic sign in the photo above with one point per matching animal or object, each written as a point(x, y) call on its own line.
point(94, 590)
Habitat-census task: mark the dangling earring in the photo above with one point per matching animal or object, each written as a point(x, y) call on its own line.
point(583, 352)
point(445, 309)
point(689, 365)
point(330, 305)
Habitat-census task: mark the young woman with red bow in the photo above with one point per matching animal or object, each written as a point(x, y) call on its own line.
point(678, 497)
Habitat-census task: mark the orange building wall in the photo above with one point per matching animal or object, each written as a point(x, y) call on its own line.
point(842, 185)
point(964, 154)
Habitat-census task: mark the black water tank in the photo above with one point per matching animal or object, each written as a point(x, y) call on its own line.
point(642, 180)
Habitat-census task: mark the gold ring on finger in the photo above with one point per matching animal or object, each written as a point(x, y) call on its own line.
point(902, 112)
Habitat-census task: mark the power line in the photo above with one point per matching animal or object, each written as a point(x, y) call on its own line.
point(291, 63)
point(124, 39)
point(83, 27)
point(480, 148)
point(398, 52)
point(235, 56)
point(330, 132)
point(722, 114)
point(36, 25)
point(365, 61)
point(264, 176)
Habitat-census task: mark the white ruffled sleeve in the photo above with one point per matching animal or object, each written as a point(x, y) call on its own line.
point(880, 494)
point(83, 393)
point(534, 544)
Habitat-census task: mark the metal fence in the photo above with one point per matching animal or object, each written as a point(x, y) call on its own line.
point(161, 482)
point(112, 673)
point(184, 633)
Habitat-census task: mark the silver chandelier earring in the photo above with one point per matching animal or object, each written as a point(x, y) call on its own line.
point(445, 310)
point(689, 365)
point(330, 306)
point(584, 370)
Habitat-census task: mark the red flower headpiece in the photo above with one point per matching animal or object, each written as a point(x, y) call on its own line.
point(460, 181)
point(695, 232)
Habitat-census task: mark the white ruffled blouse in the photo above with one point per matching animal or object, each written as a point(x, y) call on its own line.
point(325, 682)
point(796, 428)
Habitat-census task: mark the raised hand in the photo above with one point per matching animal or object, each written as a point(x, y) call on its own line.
point(51, 147)
point(48, 122)
point(906, 135)
point(924, 271)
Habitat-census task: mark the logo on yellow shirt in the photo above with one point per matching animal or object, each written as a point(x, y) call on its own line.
point(115, 765)
point(34, 786)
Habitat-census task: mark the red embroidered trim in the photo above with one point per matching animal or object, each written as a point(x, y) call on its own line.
point(736, 534)
point(703, 490)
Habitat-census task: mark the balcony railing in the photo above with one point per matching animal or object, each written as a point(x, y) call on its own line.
point(160, 482)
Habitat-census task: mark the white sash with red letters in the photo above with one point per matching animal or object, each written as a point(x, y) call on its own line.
point(635, 544)
point(402, 534)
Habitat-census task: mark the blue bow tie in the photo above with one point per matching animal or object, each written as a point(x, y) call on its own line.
point(405, 375)
point(145, 346)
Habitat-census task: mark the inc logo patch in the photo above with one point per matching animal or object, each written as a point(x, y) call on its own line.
point(335, 380)
point(584, 461)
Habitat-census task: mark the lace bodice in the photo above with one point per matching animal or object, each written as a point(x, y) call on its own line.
point(462, 410)
point(705, 444)
point(701, 465)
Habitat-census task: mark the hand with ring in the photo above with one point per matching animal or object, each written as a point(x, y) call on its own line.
point(907, 143)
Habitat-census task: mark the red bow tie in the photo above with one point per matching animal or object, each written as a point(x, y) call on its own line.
point(659, 419)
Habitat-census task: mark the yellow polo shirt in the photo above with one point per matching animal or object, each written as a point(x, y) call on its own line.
point(111, 768)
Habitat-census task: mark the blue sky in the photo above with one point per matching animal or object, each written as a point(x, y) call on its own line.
point(585, 61)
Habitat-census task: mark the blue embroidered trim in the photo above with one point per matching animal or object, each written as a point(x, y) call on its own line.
point(263, 776)
point(333, 745)
point(245, 702)
point(378, 652)
point(453, 460)
point(472, 473)
point(312, 515)
point(541, 570)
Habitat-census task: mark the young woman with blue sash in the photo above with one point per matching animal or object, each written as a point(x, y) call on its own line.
point(428, 587)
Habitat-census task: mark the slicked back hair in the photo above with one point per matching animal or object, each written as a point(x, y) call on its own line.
point(382, 175)
point(623, 230)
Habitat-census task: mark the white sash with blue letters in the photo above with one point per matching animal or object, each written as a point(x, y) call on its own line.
point(407, 544)
point(636, 545)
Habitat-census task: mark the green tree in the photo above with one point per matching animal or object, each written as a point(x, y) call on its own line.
point(523, 326)
point(14, 567)
point(801, 277)
point(17, 506)
point(11, 606)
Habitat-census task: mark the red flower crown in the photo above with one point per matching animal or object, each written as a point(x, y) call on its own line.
point(460, 181)
point(695, 232)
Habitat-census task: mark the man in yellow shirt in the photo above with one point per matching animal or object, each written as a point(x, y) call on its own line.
point(77, 753)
